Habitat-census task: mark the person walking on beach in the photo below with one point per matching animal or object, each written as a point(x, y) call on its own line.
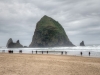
point(47, 52)
point(66, 53)
point(42, 52)
point(9, 51)
point(81, 53)
point(12, 51)
point(36, 52)
point(32, 52)
point(62, 52)
point(89, 53)
point(20, 51)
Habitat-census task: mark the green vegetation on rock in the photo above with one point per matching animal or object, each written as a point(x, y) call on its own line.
point(49, 33)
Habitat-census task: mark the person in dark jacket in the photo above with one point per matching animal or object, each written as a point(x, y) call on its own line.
point(89, 53)
point(81, 53)
point(36, 52)
point(62, 53)
point(20, 51)
point(47, 52)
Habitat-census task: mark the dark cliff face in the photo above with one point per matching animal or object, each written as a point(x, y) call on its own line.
point(11, 44)
point(49, 33)
point(82, 43)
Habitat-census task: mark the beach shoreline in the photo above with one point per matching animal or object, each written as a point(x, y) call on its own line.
point(48, 64)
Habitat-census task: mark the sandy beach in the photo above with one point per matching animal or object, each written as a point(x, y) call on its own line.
point(28, 64)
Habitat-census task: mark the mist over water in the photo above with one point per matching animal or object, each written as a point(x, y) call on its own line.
point(93, 49)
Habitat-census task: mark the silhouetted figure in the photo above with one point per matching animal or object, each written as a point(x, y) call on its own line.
point(42, 52)
point(89, 53)
point(10, 51)
point(32, 52)
point(20, 51)
point(66, 53)
point(62, 53)
point(47, 52)
point(36, 52)
point(81, 53)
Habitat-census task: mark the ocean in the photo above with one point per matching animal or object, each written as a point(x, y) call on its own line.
point(93, 49)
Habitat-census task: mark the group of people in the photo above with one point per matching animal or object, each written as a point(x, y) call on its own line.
point(82, 53)
point(10, 51)
point(42, 52)
point(20, 51)
point(63, 53)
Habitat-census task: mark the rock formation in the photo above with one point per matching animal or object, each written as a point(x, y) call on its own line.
point(9, 41)
point(49, 33)
point(82, 43)
point(11, 44)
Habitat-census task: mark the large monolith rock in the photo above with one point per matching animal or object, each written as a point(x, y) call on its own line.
point(49, 33)
point(82, 43)
point(11, 44)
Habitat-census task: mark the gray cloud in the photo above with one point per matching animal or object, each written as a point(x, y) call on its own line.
point(80, 19)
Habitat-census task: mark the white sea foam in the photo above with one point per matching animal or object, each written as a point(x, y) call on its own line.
point(94, 49)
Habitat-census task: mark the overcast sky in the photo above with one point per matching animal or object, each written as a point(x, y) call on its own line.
point(80, 19)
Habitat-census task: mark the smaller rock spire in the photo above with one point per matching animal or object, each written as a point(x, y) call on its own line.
point(17, 41)
point(82, 43)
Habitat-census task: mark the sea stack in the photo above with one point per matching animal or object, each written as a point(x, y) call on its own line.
point(49, 33)
point(82, 43)
point(11, 44)
point(9, 41)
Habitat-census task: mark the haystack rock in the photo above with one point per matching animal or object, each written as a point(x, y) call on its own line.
point(49, 33)
point(82, 43)
point(11, 44)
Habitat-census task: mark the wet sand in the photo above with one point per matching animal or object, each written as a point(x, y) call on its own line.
point(28, 64)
